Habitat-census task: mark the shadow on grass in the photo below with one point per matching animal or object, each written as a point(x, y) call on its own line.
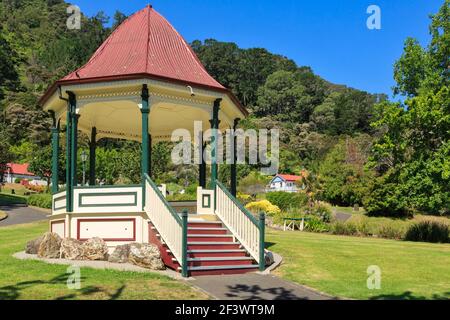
point(408, 295)
point(255, 292)
point(13, 292)
point(269, 244)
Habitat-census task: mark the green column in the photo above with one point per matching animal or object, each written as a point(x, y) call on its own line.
point(150, 145)
point(233, 167)
point(202, 168)
point(68, 157)
point(92, 149)
point(214, 147)
point(74, 151)
point(55, 157)
point(145, 110)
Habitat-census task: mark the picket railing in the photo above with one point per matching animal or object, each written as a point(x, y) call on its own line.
point(171, 227)
point(244, 226)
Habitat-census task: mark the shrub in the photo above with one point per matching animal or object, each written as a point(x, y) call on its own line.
point(428, 231)
point(315, 224)
point(17, 180)
point(287, 200)
point(40, 200)
point(342, 228)
point(323, 211)
point(244, 198)
point(390, 232)
point(263, 206)
point(38, 189)
point(386, 199)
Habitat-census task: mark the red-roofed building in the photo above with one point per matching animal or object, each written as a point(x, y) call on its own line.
point(16, 171)
point(286, 182)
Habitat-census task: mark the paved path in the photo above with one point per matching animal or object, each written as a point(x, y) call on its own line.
point(21, 214)
point(253, 286)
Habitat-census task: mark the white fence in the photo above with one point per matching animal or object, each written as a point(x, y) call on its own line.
point(164, 218)
point(107, 199)
point(238, 220)
point(59, 203)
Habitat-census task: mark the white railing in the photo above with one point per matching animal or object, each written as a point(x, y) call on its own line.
point(59, 203)
point(243, 225)
point(107, 199)
point(164, 218)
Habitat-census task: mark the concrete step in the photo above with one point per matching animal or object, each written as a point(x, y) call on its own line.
point(219, 261)
point(219, 270)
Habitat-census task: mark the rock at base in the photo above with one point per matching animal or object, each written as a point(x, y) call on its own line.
point(269, 258)
point(120, 254)
point(50, 246)
point(95, 249)
point(71, 249)
point(32, 246)
point(146, 256)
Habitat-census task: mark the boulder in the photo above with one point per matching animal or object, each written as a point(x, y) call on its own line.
point(50, 246)
point(120, 254)
point(146, 256)
point(268, 257)
point(95, 249)
point(71, 249)
point(32, 246)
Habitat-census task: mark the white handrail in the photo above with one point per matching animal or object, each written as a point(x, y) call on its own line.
point(164, 218)
point(239, 221)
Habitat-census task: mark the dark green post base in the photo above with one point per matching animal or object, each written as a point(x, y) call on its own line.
point(262, 231)
point(184, 262)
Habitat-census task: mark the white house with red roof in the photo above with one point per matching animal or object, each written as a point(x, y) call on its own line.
point(16, 171)
point(285, 183)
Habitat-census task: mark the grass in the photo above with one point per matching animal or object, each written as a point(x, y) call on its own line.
point(348, 210)
point(18, 189)
point(3, 215)
point(9, 199)
point(337, 265)
point(37, 280)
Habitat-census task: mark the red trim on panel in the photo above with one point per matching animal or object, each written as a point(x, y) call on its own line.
point(79, 221)
point(58, 222)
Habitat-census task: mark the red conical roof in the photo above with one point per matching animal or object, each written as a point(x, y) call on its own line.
point(145, 43)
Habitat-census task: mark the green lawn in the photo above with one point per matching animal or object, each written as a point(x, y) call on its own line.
point(38, 280)
point(338, 265)
point(8, 199)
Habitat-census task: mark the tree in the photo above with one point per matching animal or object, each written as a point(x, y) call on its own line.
point(5, 158)
point(283, 97)
point(119, 17)
point(414, 147)
point(41, 164)
point(9, 78)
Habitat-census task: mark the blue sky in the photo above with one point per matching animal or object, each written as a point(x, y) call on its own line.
point(330, 36)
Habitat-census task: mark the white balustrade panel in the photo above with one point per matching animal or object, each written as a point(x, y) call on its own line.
point(59, 203)
point(163, 220)
point(242, 227)
point(107, 199)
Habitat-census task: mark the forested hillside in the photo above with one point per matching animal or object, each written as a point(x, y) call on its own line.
point(360, 148)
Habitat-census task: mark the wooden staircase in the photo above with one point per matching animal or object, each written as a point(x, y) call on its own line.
point(211, 250)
